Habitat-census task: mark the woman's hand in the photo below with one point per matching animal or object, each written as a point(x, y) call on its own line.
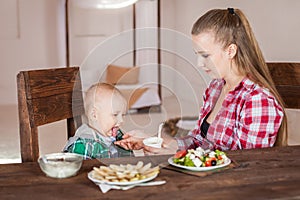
point(133, 141)
point(169, 146)
point(130, 142)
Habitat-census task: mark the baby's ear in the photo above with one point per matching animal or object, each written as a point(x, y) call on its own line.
point(92, 114)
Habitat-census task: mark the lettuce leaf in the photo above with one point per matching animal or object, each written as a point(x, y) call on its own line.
point(188, 162)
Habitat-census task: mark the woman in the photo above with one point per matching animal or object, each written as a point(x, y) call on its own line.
point(242, 108)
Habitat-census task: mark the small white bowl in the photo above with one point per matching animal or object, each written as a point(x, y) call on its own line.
point(153, 142)
point(60, 165)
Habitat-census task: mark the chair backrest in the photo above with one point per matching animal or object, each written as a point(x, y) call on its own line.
point(286, 77)
point(46, 96)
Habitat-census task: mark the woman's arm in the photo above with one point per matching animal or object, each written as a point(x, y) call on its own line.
point(260, 120)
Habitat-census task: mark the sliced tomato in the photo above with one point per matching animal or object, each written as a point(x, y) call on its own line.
point(180, 154)
point(208, 161)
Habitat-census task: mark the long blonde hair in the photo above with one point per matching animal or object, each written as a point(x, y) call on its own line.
point(230, 26)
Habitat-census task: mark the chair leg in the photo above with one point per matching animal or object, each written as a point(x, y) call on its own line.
point(71, 127)
point(28, 135)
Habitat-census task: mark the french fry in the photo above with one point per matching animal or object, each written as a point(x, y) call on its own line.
point(139, 165)
point(151, 170)
point(151, 174)
point(145, 168)
point(124, 173)
point(100, 172)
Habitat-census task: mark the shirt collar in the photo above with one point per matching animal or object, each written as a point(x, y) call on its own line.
point(107, 140)
point(98, 136)
point(245, 83)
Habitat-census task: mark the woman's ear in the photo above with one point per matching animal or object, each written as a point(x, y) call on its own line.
point(232, 50)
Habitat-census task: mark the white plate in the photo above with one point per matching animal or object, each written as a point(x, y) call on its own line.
point(227, 162)
point(97, 181)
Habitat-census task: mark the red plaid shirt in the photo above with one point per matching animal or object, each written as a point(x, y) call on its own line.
point(250, 117)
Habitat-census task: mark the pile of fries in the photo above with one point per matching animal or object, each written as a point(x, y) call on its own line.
point(124, 173)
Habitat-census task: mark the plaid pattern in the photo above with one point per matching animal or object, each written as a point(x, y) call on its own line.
point(85, 144)
point(250, 117)
point(89, 148)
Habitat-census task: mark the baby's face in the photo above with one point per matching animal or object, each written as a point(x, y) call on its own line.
point(110, 116)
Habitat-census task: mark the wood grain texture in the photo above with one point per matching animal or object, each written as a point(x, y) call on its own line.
point(286, 77)
point(270, 173)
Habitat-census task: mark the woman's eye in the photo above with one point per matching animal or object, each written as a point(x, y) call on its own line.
point(205, 55)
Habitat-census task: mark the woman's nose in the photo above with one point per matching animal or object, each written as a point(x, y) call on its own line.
point(200, 62)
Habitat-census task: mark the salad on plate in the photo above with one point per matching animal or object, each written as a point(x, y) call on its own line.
point(200, 158)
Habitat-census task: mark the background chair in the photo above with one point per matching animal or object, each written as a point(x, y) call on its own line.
point(46, 96)
point(286, 77)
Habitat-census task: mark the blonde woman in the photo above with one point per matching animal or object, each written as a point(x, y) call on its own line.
point(242, 108)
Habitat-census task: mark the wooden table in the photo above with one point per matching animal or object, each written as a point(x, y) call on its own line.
point(271, 173)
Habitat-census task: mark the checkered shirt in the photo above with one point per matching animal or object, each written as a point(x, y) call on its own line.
point(85, 143)
point(249, 117)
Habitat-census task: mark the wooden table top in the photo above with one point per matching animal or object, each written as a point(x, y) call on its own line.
point(270, 173)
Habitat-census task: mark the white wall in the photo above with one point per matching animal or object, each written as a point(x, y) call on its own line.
point(89, 28)
point(276, 24)
point(34, 41)
point(33, 36)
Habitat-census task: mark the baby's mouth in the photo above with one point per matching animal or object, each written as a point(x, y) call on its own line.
point(114, 131)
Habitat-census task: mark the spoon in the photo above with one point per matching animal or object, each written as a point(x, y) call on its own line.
point(153, 183)
point(107, 187)
point(160, 130)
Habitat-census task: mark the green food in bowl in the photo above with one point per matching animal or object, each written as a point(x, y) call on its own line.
point(60, 165)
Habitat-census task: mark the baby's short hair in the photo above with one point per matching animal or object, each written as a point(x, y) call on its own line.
point(97, 89)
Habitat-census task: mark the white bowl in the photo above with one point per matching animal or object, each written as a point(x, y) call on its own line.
point(153, 142)
point(60, 165)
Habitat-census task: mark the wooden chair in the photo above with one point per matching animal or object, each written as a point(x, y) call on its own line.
point(286, 77)
point(46, 96)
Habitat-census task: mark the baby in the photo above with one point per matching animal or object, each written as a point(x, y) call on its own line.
point(104, 108)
